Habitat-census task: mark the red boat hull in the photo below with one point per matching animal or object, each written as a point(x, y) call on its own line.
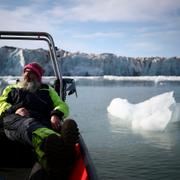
point(79, 171)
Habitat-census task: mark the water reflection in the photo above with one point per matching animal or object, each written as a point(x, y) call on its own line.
point(162, 140)
point(159, 139)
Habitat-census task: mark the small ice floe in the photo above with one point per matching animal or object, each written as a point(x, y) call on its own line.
point(153, 114)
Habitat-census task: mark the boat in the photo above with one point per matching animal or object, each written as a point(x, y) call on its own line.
point(17, 161)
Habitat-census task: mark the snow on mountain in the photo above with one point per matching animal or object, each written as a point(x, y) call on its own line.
point(13, 59)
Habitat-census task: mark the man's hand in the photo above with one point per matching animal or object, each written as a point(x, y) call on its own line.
point(22, 111)
point(55, 122)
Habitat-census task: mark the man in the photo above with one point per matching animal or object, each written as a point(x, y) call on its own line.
point(33, 113)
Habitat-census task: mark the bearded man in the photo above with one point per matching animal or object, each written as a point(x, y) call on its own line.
point(33, 114)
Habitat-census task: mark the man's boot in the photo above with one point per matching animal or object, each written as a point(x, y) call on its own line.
point(60, 150)
point(70, 132)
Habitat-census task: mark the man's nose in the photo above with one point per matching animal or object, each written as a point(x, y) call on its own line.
point(27, 72)
point(27, 75)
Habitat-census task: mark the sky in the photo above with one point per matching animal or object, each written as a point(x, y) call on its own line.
point(133, 28)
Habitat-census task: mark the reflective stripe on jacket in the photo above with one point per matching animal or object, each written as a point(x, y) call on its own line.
point(3, 104)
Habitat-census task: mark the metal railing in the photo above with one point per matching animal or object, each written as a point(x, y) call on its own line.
point(41, 36)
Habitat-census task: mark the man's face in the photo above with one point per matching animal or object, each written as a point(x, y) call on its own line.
point(30, 81)
point(29, 76)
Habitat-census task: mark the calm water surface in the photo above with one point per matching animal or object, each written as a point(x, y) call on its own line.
point(117, 151)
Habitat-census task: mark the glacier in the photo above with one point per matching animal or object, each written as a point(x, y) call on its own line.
point(12, 60)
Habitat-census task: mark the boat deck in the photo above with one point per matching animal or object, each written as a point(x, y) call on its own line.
point(14, 173)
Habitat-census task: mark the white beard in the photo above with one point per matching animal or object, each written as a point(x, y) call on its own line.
point(31, 86)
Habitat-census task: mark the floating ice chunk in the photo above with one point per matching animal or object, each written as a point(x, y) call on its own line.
point(120, 108)
point(153, 114)
point(176, 113)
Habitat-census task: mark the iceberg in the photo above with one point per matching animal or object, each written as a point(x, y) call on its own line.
point(152, 115)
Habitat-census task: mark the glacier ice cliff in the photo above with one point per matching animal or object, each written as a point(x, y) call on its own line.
point(13, 59)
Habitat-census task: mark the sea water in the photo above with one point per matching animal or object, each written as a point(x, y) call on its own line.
point(118, 150)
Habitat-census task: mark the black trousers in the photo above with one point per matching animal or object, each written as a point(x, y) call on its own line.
point(20, 128)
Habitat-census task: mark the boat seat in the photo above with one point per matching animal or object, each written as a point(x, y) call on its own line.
point(14, 154)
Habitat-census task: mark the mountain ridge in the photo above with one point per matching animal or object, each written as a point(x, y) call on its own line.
point(13, 59)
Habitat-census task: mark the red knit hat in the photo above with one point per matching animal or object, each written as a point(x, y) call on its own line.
point(36, 68)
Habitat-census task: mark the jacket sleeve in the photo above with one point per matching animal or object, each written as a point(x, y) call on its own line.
point(4, 105)
point(60, 107)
